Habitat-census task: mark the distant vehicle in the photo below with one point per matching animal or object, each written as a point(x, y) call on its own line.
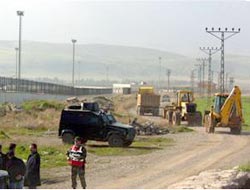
point(148, 101)
point(91, 125)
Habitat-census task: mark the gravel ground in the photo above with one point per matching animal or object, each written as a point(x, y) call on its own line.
point(189, 155)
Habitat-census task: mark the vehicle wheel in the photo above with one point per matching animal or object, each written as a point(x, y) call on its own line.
point(115, 141)
point(197, 119)
point(169, 115)
point(127, 143)
point(210, 126)
point(190, 119)
point(176, 118)
point(205, 122)
point(68, 138)
point(235, 130)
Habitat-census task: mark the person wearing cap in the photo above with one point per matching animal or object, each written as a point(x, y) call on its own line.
point(32, 175)
point(16, 169)
point(76, 156)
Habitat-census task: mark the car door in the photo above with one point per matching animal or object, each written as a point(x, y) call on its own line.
point(95, 126)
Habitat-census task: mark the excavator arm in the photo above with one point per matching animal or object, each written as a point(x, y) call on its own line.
point(232, 102)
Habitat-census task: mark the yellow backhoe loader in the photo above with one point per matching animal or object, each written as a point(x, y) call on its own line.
point(184, 109)
point(226, 112)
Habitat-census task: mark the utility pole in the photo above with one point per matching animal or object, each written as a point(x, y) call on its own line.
point(73, 68)
point(168, 72)
point(231, 83)
point(203, 64)
point(192, 77)
point(107, 74)
point(79, 73)
point(210, 51)
point(222, 38)
point(199, 76)
point(159, 72)
point(226, 85)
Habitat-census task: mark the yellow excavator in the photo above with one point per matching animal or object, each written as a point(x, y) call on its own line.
point(226, 112)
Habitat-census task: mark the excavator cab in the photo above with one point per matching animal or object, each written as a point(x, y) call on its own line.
point(219, 101)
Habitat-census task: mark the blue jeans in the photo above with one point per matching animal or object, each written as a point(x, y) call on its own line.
point(16, 184)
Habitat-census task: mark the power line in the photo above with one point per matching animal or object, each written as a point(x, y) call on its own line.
point(168, 73)
point(199, 76)
point(210, 51)
point(222, 38)
point(203, 64)
point(192, 77)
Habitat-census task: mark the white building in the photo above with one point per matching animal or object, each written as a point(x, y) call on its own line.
point(121, 88)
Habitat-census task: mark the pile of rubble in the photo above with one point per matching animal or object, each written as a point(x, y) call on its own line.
point(216, 179)
point(148, 128)
point(8, 107)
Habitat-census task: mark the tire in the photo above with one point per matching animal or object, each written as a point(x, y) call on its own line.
point(197, 119)
point(176, 118)
point(235, 130)
point(209, 124)
point(68, 138)
point(169, 116)
point(115, 141)
point(127, 143)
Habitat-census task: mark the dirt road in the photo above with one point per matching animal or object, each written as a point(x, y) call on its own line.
point(190, 154)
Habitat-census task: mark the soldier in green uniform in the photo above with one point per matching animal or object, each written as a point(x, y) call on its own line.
point(76, 156)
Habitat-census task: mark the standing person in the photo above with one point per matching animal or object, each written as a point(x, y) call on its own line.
point(16, 169)
point(12, 147)
point(2, 159)
point(3, 174)
point(32, 175)
point(76, 157)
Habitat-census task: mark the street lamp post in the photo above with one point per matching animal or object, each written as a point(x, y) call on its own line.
point(159, 72)
point(16, 49)
point(73, 70)
point(20, 14)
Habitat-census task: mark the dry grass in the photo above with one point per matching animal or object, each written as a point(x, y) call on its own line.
point(47, 119)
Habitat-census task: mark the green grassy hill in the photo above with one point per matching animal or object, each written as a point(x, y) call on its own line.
point(40, 59)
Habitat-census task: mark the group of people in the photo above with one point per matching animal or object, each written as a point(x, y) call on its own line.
point(21, 174)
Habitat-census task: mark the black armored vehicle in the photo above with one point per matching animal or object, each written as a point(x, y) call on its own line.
point(90, 123)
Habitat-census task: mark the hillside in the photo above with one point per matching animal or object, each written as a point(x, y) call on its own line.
point(96, 61)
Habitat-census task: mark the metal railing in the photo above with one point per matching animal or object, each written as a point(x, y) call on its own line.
point(14, 85)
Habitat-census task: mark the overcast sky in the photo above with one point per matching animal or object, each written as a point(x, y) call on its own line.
point(167, 25)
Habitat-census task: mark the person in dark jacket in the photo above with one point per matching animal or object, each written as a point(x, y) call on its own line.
point(3, 174)
point(3, 159)
point(16, 169)
point(32, 176)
